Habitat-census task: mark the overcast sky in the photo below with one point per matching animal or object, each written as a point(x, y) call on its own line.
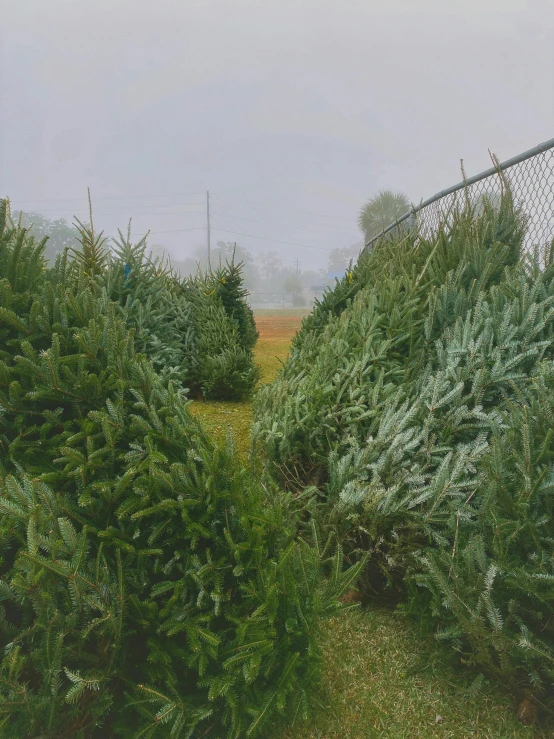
point(291, 112)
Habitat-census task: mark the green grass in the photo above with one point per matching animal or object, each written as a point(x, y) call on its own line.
point(226, 419)
point(380, 679)
point(270, 355)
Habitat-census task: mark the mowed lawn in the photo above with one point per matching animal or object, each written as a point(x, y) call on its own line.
point(224, 419)
point(380, 677)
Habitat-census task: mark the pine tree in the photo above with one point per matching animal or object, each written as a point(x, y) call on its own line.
point(228, 284)
point(418, 402)
point(92, 256)
point(147, 586)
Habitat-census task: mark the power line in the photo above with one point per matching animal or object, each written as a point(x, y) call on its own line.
point(198, 228)
point(257, 220)
point(64, 212)
point(176, 195)
point(177, 230)
point(126, 215)
point(276, 241)
point(111, 197)
point(103, 213)
point(307, 212)
point(238, 233)
point(227, 223)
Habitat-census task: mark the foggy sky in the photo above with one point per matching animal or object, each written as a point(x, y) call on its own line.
point(292, 113)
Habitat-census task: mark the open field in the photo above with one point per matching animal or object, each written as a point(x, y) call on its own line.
point(276, 331)
point(222, 418)
point(380, 677)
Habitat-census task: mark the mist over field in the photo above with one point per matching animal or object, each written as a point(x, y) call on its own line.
point(276, 369)
point(292, 114)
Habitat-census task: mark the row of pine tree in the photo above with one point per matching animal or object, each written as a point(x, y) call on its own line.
point(148, 588)
point(151, 586)
point(414, 419)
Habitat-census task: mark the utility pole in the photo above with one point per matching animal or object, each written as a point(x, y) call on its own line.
point(208, 221)
point(297, 266)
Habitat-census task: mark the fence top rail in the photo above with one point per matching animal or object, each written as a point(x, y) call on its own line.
point(529, 154)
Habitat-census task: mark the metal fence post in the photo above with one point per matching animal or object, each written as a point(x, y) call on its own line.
point(412, 221)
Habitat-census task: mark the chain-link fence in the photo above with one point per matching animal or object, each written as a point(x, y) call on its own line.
point(530, 178)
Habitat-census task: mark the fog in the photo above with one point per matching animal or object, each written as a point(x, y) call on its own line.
point(292, 114)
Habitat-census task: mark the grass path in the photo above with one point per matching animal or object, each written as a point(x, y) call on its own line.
point(379, 680)
point(222, 418)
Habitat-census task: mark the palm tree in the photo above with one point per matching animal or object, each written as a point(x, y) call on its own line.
point(382, 210)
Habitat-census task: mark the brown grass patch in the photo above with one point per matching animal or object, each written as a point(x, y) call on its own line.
point(276, 332)
point(277, 327)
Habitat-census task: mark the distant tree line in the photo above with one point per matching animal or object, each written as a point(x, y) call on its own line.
point(60, 233)
point(263, 273)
